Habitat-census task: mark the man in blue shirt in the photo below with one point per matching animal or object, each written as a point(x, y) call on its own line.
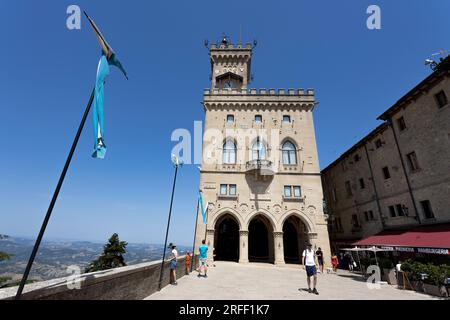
point(203, 258)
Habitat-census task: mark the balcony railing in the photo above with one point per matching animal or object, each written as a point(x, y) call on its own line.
point(262, 167)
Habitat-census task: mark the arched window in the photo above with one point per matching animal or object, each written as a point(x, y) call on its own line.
point(229, 152)
point(258, 150)
point(289, 153)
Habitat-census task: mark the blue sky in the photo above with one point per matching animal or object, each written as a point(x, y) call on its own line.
point(48, 72)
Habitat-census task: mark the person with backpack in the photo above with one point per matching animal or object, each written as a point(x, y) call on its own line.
point(309, 261)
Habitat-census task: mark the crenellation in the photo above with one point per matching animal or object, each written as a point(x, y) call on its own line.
point(262, 91)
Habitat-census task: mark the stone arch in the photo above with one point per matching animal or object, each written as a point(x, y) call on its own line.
point(290, 139)
point(224, 211)
point(303, 217)
point(295, 153)
point(293, 223)
point(229, 150)
point(261, 238)
point(226, 237)
point(265, 213)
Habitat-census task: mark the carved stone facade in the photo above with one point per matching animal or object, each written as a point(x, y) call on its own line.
point(260, 173)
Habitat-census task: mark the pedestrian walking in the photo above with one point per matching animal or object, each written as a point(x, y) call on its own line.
point(173, 264)
point(309, 261)
point(350, 261)
point(203, 249)
point(319, 255)
point(334, 262)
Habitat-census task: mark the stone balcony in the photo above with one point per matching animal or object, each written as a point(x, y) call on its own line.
point(260, 167)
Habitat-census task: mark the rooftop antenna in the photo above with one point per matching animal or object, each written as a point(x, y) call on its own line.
point(433, 63)
point(240, 34)
point(443, 53)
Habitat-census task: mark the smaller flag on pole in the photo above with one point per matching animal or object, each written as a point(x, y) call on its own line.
point(202, 209)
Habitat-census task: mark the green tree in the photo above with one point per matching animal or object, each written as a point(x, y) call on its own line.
point(4, 256)
point(112, 256)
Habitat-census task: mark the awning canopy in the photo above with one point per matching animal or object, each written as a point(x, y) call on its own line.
point(433, 237)
point(356, 249)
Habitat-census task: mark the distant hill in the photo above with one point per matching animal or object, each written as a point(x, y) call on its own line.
point(54, 257)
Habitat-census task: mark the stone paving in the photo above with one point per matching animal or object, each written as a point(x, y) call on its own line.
point(232, 281)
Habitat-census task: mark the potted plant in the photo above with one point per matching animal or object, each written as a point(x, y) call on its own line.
point(434, 284)
point(412, 271)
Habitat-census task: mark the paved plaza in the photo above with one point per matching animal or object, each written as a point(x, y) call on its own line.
point(232, 281)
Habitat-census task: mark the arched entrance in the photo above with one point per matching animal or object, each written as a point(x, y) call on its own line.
point(260, 240)
point(295, 237)
point(226, 239)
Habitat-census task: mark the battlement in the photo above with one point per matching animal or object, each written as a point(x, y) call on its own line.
point(230, 46)
point(261, 92)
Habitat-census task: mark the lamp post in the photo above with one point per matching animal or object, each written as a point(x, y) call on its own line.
point(195, 229)
point(177, 163)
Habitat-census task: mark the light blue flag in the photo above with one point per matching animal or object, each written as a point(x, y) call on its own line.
point(202, 209)
point(98, 109)
point(108, 58)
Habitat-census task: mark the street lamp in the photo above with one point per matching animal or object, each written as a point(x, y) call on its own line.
point(195, 228)
point(177, 163)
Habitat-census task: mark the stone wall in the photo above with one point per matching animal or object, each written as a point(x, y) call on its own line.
point(127, 283)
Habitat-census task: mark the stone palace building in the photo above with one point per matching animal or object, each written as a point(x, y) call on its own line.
point(397, 178)
point(260, 173)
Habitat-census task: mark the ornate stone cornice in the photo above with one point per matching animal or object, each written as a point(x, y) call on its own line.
point(259, 105)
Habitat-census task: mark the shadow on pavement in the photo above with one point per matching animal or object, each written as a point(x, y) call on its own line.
point(356, 277)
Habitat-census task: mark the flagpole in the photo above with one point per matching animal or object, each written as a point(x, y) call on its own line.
point(195, 236)
point(168, 224)
point(54, 198)
point(206, 225)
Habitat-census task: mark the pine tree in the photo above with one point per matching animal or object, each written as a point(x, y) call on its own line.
point(112, 256)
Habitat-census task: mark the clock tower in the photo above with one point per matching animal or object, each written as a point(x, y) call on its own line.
point(230, 65)
point(260, 176)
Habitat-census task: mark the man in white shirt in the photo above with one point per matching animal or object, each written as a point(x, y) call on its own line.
point(309, 261)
